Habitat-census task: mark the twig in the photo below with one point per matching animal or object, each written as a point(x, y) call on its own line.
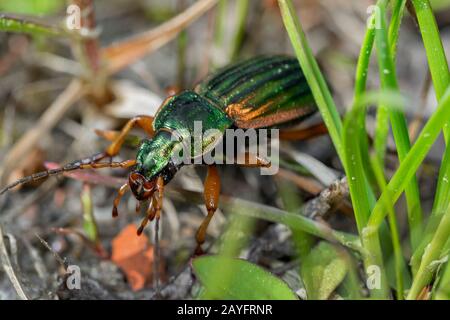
point(38, 262)
point(58, 258)
point(324, 174)
point(320, 205)
point(6, 264)
point(304, 183)
point(124, 53)
point(90, 48)
point(48, 120)
point(156, 257)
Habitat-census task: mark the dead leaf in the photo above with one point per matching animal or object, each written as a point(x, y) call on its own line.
point(134, 256)
point(132, 100)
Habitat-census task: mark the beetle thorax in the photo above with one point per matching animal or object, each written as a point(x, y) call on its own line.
point(155, 154)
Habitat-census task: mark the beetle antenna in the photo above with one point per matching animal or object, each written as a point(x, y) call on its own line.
point(88, 163)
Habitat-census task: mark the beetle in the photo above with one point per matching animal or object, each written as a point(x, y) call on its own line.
point(262, 92)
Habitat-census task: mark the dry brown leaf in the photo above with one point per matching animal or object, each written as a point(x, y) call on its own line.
point(134, 256)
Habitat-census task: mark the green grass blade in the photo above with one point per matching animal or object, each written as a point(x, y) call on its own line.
point(437, 59)
point(438, 65)
point(399, 262)
point(10, 23)
point(242, 13)
point(413, 160)
point(398, 122)
point(292, 203)
point(443, 290)
point(373, 175)
point(354, 165)
point(432, 253)
point(293, 221)
point(398, 9)
point(362, 70)
point(355, 170)
point(313, 75)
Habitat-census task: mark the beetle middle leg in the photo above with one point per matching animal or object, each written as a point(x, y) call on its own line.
point(118, 137)
point(211, 195)
point(144, 122)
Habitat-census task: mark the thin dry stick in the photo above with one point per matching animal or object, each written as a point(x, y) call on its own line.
point(90, 47)
point(48, 120)
point(337, 192)
point(58, 258)
point(7, 266)
point(124, 53)
point(309, 185)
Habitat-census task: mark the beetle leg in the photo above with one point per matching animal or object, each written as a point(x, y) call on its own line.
point(144, 122)
point(211, 195)
point(155, 206)
point(147, 218)
point(251, 160)
point(123, 189)
point(305, 133)
point(138, 206)
point(159, 200)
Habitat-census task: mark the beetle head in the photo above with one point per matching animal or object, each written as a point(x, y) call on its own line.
point(141, 187)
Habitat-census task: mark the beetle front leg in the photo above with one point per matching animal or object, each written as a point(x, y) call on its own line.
point(211, 195)
point(155, 207)
point(144, 122)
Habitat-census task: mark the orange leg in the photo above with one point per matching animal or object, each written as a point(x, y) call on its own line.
point(159, 199)
point(123, 189)
point(155, 207)
point(144, 122)
point(211, 195)
point(304, 134)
